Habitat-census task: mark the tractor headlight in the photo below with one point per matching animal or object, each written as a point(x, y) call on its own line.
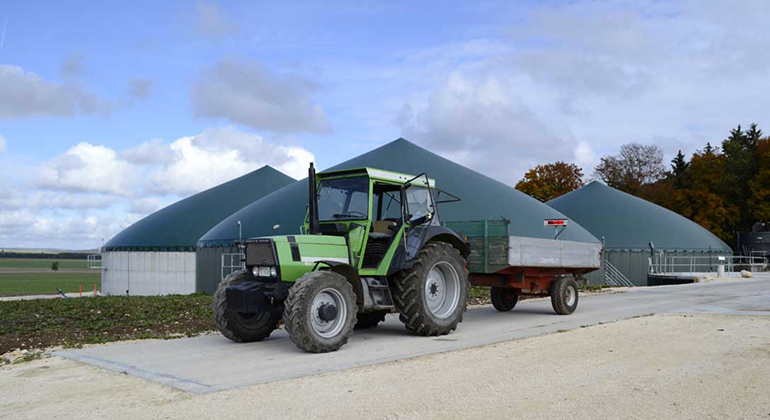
point(264, 272)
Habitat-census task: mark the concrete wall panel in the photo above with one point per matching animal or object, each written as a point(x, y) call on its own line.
point(148, 273)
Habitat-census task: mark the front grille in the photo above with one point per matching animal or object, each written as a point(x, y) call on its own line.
point(260, 253)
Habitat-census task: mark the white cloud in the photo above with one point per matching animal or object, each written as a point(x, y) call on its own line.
point(185, 166)
point(150, 152)
point(13, 199)
point(2, 144)
point(211, 22)
point(89, 168)
point(245, 92)
point(52, 231)
point(139, 88)
point(91, 192)
point(25, 94)
point(219, 155)
point(585, 157)
point(147, 205)
point(485, 123)
point(573, 81)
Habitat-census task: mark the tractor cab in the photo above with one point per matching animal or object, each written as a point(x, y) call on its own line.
point(368, 207)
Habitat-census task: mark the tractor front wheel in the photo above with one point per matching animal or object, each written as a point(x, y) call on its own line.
point(432, 295)
point(238, 326)
point(320, 312)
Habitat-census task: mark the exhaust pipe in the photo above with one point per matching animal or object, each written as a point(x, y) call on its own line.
point(312, 201)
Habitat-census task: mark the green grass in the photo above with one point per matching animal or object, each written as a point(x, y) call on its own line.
point(37, 324)
point(38, 263)
point(593, 287)
point(46, 283)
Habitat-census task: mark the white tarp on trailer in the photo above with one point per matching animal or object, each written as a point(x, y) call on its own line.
point(148, 273)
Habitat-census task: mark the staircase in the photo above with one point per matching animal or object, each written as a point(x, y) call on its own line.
point(613, 276)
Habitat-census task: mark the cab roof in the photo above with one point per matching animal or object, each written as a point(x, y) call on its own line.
point(378, 174)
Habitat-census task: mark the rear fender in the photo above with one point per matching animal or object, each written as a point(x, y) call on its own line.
point(421, 235)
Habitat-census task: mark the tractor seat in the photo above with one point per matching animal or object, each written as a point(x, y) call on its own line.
point(380, 229)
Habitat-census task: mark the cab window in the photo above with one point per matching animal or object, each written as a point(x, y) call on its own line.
point(343, 199)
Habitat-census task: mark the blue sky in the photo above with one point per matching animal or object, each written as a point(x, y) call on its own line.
point(109, 111)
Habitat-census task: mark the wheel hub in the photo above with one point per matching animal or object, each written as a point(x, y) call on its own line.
point(434, 288)
point(327, 312)
point(570, 296)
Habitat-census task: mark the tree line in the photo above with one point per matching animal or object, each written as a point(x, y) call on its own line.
point(725, 189)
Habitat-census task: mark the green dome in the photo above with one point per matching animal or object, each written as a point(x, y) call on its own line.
point(178, 226)
point(628, 222)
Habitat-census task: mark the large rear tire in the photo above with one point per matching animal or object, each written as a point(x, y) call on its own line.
point(242, 327)
point(320, 312)
point(564, 295)
point(432, 295)
point(504, 299)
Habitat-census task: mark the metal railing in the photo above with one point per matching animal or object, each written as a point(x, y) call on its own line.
point(232, 263)
point(95, 261)
point(661, 263)
point(613, 276)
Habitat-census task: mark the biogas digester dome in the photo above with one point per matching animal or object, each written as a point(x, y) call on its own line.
point(282, 212)
point(156, 255)
point(629, 225)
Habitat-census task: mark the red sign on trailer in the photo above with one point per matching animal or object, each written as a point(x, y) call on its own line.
point(555, 222)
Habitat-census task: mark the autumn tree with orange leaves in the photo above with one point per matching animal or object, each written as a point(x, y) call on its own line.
point(546, 182)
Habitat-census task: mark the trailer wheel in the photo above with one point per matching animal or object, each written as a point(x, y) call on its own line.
point(320, 312)
point(237, 326)
point(564, 295)
point(504, 299)
point(370, 319)
point(432, 295)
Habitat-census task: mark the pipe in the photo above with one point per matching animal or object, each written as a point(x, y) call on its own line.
point(312, 201)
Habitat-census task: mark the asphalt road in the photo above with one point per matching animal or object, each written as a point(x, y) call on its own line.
point(212, 363)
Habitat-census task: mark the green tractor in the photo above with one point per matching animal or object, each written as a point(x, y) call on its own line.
point(372, 241)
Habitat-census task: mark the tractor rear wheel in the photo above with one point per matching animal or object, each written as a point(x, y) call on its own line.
point(238, 326)
point(504, 299)
point(432, 295)
point(370, 319)
point(564, 295)
point(320, 312)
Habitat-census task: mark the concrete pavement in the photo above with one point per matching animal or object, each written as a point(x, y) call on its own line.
point(213, 363)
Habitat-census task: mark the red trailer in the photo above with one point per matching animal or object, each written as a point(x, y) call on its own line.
point(515, 266)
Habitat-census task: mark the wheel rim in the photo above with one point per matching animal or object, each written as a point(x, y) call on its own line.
point(328, 328)
point(442, 289)
point(570, 296)
point(253, 321)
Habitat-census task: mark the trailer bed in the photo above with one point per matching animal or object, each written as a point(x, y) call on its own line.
point(493, 249)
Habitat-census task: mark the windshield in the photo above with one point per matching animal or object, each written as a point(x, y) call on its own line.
point(343, 199)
